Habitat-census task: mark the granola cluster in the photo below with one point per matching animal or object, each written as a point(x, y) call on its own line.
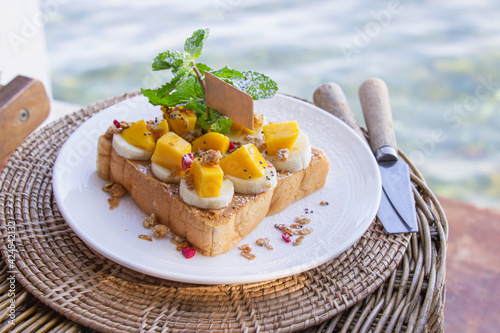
point(265, 242)
point(282, 154)
point(116, 191)
point(159, 230)
point(191, 135)
point(246, 251)
point(183, 246)
point(258, 142)
point(295, 229)
point(210, 157)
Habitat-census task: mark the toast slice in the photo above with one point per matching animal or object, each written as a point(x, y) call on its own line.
point(211, 232)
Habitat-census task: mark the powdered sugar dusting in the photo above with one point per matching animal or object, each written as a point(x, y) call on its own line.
point(145, 169)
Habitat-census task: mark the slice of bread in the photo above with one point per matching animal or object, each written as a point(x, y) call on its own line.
point(211, 232)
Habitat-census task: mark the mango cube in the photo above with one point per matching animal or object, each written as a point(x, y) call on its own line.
point(212, 140)
point(139, 135)
point(181, 120)
point(246, 163)
point(280, 136)
point(207, 178)
point(169, 151)
point(258, 120)
point(160, 129)
point(240, 128)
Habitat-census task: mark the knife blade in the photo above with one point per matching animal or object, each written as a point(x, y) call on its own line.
point(396, 183)
point(331, 98)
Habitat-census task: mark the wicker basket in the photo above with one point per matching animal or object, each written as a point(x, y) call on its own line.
point(382, 283)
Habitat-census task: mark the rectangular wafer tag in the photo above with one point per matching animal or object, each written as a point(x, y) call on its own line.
point(231, 102)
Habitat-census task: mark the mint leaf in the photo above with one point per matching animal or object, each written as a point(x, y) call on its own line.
point(186, 92)
point(198, 107)
point(217, 122)
point(151, 95)
point(181, 77)
point(228, 74)
point(171, 59)
point(257, 85)
point(222, 125)
point(203, 68)
point(194, 44)
point(185, 89)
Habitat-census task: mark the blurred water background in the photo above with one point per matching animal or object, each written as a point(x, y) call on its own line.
point(440, 59)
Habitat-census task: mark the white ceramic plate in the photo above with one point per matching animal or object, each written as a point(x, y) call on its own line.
point(352, 190)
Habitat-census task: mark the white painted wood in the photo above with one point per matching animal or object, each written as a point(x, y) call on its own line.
point(22, 42)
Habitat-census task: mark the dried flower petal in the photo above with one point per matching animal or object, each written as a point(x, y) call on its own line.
point(187, 161)
point(286, 237)
point(188, 252)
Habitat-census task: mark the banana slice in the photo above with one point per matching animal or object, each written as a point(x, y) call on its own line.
point(256, 185)
point(223, 200)
point(164, 174)
point(298, 158)
point(125, 149)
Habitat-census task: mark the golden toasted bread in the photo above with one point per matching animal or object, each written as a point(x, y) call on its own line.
point(211, 232)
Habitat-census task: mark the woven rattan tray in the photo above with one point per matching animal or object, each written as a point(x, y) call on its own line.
point(54, 265)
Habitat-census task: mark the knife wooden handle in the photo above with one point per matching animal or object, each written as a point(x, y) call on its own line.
point(374, 98)
point(330, 97)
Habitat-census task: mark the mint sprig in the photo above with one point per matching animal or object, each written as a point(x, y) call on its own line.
point(184, 89)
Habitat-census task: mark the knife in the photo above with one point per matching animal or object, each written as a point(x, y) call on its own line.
point(331, 98)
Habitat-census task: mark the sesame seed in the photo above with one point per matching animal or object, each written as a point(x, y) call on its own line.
point(267, 177)
point(249, 176)
point(144, 133)
point(261, 162)
point(245, 170)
